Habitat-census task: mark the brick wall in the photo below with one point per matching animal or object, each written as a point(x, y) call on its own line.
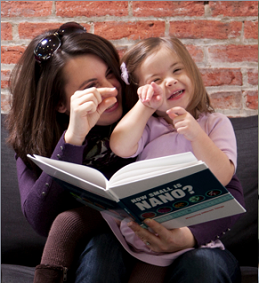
point(222, 37)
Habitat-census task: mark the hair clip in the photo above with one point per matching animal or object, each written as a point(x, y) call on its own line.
point(124, 73)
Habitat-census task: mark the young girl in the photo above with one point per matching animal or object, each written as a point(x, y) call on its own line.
point(173, 115)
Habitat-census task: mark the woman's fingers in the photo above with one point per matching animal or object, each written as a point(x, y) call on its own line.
point(106, 92)
point(87, 101)
point(161, 239)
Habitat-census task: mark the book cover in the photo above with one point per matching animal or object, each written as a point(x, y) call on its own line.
point(175, 194)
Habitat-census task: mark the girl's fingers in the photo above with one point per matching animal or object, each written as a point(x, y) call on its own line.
point(176, 111)
point(150, 93)
point(157, 89)
point(143, 92)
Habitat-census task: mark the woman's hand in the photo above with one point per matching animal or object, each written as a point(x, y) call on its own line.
point(86, 107)
point(164, 240)
point(151, 95)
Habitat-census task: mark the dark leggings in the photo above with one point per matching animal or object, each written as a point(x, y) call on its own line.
point(73, 228)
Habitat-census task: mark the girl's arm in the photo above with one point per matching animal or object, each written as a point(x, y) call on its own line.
point(203, 146)
point(126, 135)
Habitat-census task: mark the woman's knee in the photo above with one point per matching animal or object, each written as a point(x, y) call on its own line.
point(78, 219)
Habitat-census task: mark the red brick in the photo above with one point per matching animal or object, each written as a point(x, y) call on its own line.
point(6, 31)
point(252, 75)
point(196, 52)
point(91, 8)
point(226, 100)
point(167, 8)
point(5, 104)
point(26, 8)
point(11, 54)
point(205, 29)
point(5, 75)
point(130, 30)
point(121, 50)
point(251, 30)
point(219, 77)
point(234, 8)
point(233, 53)
point(251, 99)
point(30, 30)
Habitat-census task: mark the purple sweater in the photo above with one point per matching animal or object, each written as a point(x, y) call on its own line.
point(42, 199)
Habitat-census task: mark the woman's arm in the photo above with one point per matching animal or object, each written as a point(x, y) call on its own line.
point(42, 199)
point(210, 231)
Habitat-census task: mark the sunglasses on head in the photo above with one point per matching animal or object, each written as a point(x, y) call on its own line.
point(48, 45)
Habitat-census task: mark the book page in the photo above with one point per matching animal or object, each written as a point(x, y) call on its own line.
point(141, 186)
point(144, 173)
point(86, 173)
point(151, 167)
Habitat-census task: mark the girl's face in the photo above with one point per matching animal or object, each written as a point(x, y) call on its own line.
point(165, 68)
point(86, 71)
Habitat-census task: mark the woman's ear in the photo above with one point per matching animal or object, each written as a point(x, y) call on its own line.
point(61, 107)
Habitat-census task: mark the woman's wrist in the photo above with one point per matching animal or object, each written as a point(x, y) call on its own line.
point(73, 139)
point(189, 238)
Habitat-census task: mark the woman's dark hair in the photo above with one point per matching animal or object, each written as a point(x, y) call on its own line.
point(34, 124)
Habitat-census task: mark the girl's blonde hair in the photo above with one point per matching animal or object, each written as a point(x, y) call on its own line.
point(136, 55)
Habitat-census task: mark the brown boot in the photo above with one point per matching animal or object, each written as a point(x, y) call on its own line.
point(50, 274)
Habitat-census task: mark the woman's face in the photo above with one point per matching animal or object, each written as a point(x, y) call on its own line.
point(87, 71)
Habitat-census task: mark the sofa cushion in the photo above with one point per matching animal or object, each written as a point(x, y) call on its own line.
point(16, 274)
point(242, 239)
point(19, 242)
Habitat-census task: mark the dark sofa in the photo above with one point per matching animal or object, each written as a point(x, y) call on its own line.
point(22, 247)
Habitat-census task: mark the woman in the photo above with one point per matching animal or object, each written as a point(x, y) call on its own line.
point(65, 88)
point(67, 97)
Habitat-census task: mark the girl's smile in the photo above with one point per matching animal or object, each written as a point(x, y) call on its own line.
point(176, 95)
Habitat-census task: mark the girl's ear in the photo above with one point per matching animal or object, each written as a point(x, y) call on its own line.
point(61, 107)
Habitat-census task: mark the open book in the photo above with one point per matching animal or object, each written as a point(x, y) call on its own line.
point(176, 190)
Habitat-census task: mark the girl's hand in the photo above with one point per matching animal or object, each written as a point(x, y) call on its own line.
point(185, 123)
point(202, 146)
point(164, 240)
point(151, 95)
point(86, 107)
